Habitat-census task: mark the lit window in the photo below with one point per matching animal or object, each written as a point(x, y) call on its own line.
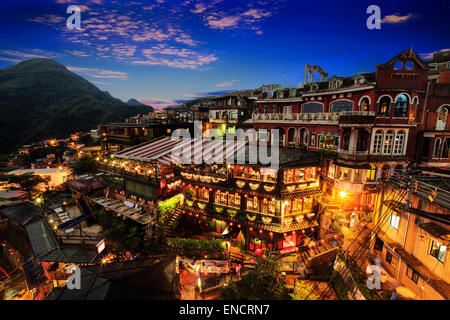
point(438, 251)
point(394, 221)
point(388, 140)
point(378, 142)
point(399, 142)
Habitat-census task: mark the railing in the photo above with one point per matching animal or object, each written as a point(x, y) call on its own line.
point(325, 117)
point(353, 152)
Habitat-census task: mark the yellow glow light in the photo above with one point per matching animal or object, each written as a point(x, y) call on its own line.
point(342, 194)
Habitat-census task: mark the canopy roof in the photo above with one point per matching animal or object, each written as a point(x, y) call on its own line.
point(166, 150)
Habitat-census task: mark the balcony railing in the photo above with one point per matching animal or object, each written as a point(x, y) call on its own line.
point(320, 117)
point(353, 152)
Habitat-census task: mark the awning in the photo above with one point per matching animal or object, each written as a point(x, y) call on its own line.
point(168, 150)
point(300, 194)
point(436, 230)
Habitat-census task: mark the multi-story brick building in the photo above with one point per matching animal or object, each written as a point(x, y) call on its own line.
point(366, 125)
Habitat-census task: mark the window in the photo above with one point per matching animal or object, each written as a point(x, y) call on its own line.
point(409, 65)
point(412, 274)
point(394, 221)
point(389, 257)
point(445, 148)
point(328, 142)
point(385, 171)
point(312, 107)
point(442, 116)
point(398, 65)
point(346, 174)
point(312, 141)
point(399, 142)
point(346, 142)
point(437, 148)
point(433, 66)
point(438, 251)
point(364, 105)
point(384, 106)
point(377, 142)
point(371, 174)
point(388, 140)
point(341, 106)
point(401, 106)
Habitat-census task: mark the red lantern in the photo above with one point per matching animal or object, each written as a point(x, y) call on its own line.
point(260, 231)
point(231, 223)
point(312, 229)
point(336, 237)
point(239, 226)
point(251, 229)
point(303, 231)
point(271, 234)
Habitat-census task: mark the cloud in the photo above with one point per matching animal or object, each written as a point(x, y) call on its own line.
point(33, 53)
point(395, 18)
point(429, 56)
point(159, 103)
point(99, 73)
point(227, 83)
point(170, 56)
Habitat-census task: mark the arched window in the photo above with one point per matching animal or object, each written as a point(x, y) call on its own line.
point(445, 148)
point(341, 106)
point(303, 136)
point(364, 104)
point(437, 148)
point(409, 65)
point(291, 136)
point(388, 140)
point(312, 107)
point(384, 106)
point(378, 142)
point(401, 106)
point(398, 65)
point(346, 142)
point(442, 116)
point(399, 142)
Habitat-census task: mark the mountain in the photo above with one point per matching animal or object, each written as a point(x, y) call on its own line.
point(134, 102)
point(42, 99)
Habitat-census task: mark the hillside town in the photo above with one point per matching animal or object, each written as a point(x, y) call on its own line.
point(357, 206)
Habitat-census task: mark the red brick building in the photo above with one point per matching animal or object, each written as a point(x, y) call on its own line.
point(365, 125)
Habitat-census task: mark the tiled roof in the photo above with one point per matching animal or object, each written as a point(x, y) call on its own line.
point(72, 255)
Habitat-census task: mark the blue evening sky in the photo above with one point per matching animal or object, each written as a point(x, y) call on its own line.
point(166, 51)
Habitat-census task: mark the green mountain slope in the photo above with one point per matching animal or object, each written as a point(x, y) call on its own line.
point(41, 99)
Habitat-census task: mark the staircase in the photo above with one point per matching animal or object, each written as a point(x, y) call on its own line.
point(174, 216)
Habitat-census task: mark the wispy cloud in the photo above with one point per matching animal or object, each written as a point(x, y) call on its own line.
point(396, 18)
point(227, 83)
point(99, 73)
point(16, 56)
point(428, 56)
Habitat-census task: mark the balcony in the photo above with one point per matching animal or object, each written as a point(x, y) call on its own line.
point(353, 154)
point(297, 118)
point(357, 117)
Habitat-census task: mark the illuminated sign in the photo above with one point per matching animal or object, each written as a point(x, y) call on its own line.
point(101, 246)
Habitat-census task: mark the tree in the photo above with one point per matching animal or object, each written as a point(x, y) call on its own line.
point(85, 165)
point(262, 283)
point(303, 291)
point(27, 182)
